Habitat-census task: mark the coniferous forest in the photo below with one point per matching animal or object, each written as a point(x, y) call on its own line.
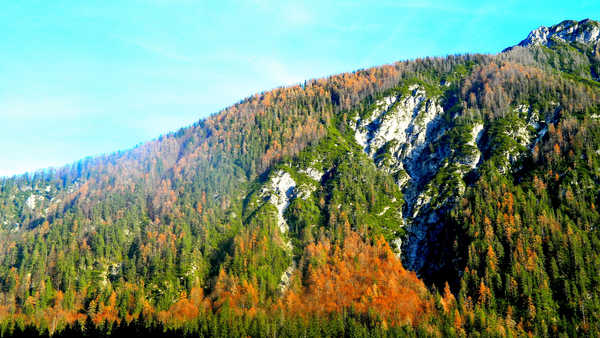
point(447, 196)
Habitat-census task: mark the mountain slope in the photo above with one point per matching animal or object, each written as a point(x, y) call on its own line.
point(470, 169)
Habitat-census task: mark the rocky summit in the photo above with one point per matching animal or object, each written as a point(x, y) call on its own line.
point(585, 31)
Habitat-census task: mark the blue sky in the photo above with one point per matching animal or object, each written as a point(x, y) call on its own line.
point(80, 78)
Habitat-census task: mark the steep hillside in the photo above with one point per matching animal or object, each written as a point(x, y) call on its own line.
point(296, 211)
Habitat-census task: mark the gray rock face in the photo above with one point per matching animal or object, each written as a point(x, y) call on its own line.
point(586, 31)
point(399, 136)
point(280, 191)
point(30, 202)
point(399, 129)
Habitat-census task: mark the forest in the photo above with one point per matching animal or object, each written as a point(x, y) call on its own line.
point(223, 228)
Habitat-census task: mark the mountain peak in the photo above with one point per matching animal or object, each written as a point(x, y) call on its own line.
point(585, 31)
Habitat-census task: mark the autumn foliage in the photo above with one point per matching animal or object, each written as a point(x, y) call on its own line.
point(358, 276)
point(186, 309)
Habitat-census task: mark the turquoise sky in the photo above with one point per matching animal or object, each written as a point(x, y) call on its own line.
point(81, 78)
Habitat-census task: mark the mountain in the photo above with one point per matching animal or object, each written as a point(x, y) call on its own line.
point(585, 32)
point(439, 196)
